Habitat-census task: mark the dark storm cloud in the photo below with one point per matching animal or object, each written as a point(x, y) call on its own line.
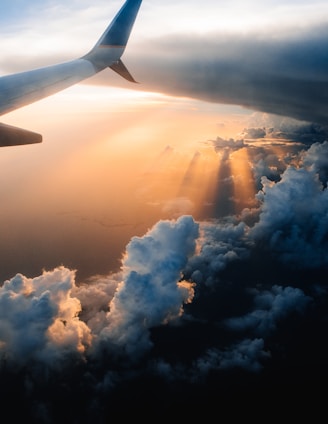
point(284, 74)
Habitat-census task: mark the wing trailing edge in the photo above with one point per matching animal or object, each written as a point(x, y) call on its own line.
point(14, 136)
point(120, 68)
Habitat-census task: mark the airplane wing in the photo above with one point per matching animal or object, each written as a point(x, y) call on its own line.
point(23, 88)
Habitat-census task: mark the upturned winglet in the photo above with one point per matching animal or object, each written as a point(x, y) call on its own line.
point(17, 90)
point(109, 48)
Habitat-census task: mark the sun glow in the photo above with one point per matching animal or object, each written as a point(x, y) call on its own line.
point(112, 163)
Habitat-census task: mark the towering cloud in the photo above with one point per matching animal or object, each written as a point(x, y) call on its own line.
point(151, 292)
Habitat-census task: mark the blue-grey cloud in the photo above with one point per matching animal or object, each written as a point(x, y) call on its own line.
point(286, 75)
point(293, 217)
point(271, 307)
point(151, 292)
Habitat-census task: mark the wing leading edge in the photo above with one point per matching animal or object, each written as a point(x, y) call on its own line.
point(23, 88)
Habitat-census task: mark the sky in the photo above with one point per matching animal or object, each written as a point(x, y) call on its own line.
point(164, 249)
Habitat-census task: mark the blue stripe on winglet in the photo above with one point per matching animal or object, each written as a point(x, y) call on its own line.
point(118, 32)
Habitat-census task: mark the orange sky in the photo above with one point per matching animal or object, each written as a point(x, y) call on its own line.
point(112, 162)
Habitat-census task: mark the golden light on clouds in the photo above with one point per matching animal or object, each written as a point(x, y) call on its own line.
point(112, 163)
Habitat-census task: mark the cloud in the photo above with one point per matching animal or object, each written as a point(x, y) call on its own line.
point(271, 307)
point(316, 159)
point(220, 245)
point(275, 127)
point(254, 133)
point(293, 217)
point(151, 292)
point(231, 145)
point(283, 75)
point(248, 354)
point(39, 320)
point(199, 312)
point(178, 206)
point(196, 309)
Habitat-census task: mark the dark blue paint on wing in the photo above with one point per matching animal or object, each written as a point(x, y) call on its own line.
point(118, 32)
